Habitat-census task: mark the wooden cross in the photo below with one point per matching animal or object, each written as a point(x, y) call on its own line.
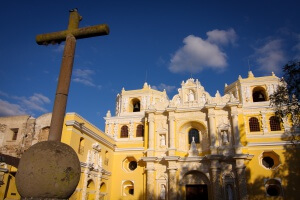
point(70, 35)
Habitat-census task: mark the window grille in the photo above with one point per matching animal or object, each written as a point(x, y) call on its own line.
point(124, 132)
point(275, 124)
point(254, 124)
point(140, 131)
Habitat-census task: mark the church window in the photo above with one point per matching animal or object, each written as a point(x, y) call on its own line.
point(269, 160)
point(275, 123)
point(194, 133)
point(128, 188)
point(259, 94)
point(132, 165)
point(136, 105)
point(103, 189)
point(140, 131)
point(15, 133)
point(81, 146)
point(273, 188)
point(254, 124)
point(124, 131)
point(90, 189)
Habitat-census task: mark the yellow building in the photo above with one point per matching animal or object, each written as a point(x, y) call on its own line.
point(193, 146)
point(93, 147)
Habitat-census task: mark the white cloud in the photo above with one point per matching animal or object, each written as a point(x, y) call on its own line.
point(83, 76)
point(9, 109)
point(59, 48)
point(83, 73)
point(162, 86)
point(270, 57)
point(84, 81)
point(196, 55)
point(222, 37)
point(33, 103)
point(23, 105)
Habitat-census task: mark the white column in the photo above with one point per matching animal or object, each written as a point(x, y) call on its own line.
point(171, 135)
point(150, 181)
point(99, 184)
point(84, 185)
point(151, 134)
point(212, 130)
point(235, 129)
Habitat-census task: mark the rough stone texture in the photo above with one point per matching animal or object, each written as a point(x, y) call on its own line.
point(48, 170)
point(30, 131)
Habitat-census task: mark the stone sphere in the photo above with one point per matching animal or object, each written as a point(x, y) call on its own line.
point(48, 170)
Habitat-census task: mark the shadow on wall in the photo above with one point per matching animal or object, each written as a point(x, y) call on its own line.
point(283, 181)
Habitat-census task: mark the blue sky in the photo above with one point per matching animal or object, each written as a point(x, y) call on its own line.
point(161, 42)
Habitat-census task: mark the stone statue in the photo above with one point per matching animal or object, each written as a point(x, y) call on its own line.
point(163, 140)
point(178, 100)
point(191, 96)
point(224, 137)
point(193, 149)
point(162, 194)
point(203, 100)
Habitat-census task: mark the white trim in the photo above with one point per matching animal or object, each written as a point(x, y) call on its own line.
point(267, 135)
point(282, 143)
point(90, 133)
point(129, 149)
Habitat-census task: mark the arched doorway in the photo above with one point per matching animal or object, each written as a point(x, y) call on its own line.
point(195, 185)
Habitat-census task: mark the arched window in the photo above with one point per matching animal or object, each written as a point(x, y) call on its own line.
point(273, 188)
point(275, 124)
point(124, 132)
point(140, 131)
point(259, 94)
point(136, 105)
point(81, 146)
point(194, 133)
point(90, 190)
point(103, 190)
point(254, 124)
point(128, 188)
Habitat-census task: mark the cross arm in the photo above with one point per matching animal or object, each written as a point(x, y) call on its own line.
point(79, 33)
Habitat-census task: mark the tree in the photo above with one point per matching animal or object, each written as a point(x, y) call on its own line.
point(286, 98)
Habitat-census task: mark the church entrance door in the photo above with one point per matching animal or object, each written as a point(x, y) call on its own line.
point(196, 192)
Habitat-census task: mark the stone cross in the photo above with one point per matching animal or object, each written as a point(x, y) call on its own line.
point(70, 35)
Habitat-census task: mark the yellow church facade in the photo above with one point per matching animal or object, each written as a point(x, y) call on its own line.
point(192, 146)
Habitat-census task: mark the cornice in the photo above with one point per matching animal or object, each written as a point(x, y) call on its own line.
point(89, 132)
point(129, 149)
point(281, 143)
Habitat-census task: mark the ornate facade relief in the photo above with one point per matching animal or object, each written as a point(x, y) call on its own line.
point(116, 129)
point(264, 124)
point(162, 134)
point(191, 94)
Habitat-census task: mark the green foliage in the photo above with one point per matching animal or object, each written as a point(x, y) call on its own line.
point(292, 77)
point(286, 98)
